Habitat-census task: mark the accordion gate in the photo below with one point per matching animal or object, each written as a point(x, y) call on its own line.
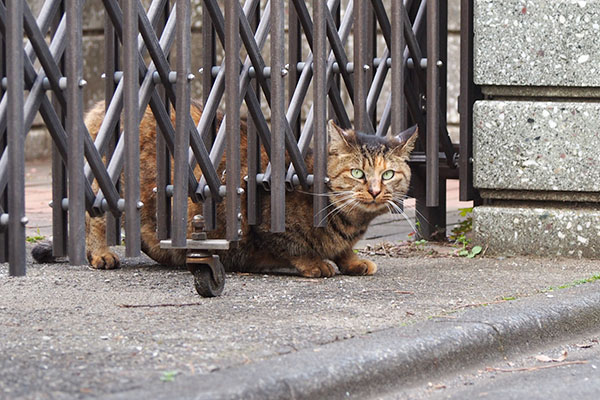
point(405, 77)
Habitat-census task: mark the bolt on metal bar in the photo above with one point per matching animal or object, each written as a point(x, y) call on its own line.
point(376, 87)
point(74, 69)
point(131, 131)
point(320, 111)
point(333, 92)
point(182, 137)
point(433, 99)
point(147, 91)
point(36, 38)
point(43, 21)
point(338, 50)
point(411, 39)
point(246, 91)
point(112, 116)
point(307, 130)
point(408, 89)
point(53, 123)
point(290, 142)
point(37, 96)
point(16, 145)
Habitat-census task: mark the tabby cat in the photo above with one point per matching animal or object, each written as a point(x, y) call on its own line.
point(368, 176)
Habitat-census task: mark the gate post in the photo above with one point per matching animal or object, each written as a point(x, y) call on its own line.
point(536, 133)
point(16, 139)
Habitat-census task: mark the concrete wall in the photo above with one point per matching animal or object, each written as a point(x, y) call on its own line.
point(38, 143)
point(537, 133)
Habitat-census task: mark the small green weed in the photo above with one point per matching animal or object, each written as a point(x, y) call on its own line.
point(509, 298)
point(464, 226)
point(36, 238)
point(459, 235)
point(420, 243)
point(169, 376)
point(416, 233)
point(578, 282)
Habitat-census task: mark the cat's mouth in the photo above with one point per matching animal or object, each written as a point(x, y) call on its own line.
point(373, 204)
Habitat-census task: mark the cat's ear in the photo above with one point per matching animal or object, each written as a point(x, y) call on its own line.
point(406, 141)
point(337, 136)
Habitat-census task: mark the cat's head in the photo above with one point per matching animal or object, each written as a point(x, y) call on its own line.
point(368, 173)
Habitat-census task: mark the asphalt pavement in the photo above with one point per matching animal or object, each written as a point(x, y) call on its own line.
point(421, 327)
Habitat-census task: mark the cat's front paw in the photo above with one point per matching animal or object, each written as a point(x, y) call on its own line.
point(359, 266)
point(104, 260)
point(311, 268)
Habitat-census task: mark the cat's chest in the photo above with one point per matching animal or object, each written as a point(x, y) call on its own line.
point(346, 230)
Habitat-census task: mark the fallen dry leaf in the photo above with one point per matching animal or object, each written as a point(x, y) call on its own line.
point(544, 358)
point(436, 387)
point(525, 369)
point(584, 345)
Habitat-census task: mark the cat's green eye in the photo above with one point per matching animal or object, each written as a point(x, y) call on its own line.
point(357, 173)
point(389, 174)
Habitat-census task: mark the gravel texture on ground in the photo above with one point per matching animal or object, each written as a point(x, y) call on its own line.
point(72, 332)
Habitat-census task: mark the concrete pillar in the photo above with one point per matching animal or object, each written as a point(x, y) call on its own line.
point(537, 131)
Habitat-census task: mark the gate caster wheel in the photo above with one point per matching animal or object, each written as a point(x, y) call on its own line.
point(207, 283)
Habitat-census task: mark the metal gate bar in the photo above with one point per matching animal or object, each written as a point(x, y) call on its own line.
point(16, 143)
point(74, 74)
point(468, 94)
point(417, 95)
point(163, 156)
point(131, 128)
point(111, 66)
point(320, 113)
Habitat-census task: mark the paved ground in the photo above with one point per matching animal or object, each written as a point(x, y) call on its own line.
point(569, 370)
point(72, 332)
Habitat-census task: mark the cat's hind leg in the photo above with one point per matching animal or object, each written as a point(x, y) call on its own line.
point(313, 267)
point(350, 264)
point(98, 253)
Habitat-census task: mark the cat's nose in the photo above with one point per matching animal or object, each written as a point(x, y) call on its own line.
point(374, 191)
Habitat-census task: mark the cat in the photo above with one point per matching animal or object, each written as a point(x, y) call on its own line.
point(367, 174)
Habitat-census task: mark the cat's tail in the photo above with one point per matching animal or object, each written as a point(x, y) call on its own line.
point(42, 252)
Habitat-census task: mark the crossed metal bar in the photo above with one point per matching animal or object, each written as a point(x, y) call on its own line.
point(248, 82)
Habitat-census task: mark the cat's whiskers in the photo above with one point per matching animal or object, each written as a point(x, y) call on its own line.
point(414, 208)
point(328, 194)
point(398, 199)
point(339, 208)
point(395, 210)
point(339, 200)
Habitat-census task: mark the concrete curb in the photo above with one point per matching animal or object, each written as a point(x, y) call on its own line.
point(393, 359)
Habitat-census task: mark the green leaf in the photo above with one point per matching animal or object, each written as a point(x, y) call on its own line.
point(463, 253)
point(476, 250)
point(465, 211)
point(169, 376)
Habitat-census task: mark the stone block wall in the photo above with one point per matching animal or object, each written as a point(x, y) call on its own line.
point(537, 132)
point(38, 143)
